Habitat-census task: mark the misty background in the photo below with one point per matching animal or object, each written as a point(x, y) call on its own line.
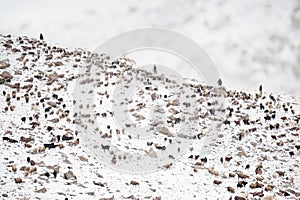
point(251, 42)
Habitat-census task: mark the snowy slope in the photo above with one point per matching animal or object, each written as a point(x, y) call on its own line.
point(254, 154)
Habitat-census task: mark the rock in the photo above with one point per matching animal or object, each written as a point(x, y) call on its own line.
point(52, 77)
point(6, 75)
point(4, 64)
point(4, 195)
point(69, 175)
point(173, 111)
point(151, 153)
point(18, 72)
point(83, 159)
point(164, 130)
point(42, 190)
point(90, 193)
point(297, 194)
point(239, 198)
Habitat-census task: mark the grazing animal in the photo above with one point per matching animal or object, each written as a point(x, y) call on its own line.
point(49, 128)
point(32, 162)
point(66, 138)
point(18, 180)
point(134, 183)
point(105, 147)
point(55, 173)
point(58, 138)
point(274, 137)
point(219, 82)
point(14, 168)
point(239, 184)
point(154, 69)
point(9, 140)
point(217, 182)
point(260, 90)
point(204, 160)
point(272, 98)
point(50, 146)
point(261, 106)
point(267, 118)
point(161, 147)
point(230, 189)
point(47, 174)
point(246, 121)
point(26, 140)
point(226, 122)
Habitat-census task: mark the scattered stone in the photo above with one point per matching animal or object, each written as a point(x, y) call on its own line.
point(239, 198)
point(6, 75)
point(151, 153)
point(4, 64)
point(42, 190)
point(164, 130)
point(69, 175)
point(83, 159)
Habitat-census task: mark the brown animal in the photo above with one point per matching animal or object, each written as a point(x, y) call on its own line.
point(18, 180)
point(26, 140)
point(230, 189)
point(217, 182)
point(134, 183)
point(14, 168)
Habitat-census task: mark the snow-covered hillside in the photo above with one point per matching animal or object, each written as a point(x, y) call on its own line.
point(253, 152)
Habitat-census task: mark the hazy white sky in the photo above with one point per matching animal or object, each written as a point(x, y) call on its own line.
point(250, 42)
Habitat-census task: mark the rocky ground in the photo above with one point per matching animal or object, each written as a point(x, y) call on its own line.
point(253, 138)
